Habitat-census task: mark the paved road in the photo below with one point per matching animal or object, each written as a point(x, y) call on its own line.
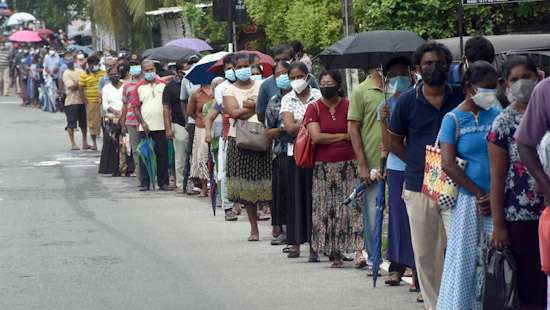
point(71, 239)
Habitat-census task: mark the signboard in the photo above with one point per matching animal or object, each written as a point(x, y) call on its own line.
point(479, 2)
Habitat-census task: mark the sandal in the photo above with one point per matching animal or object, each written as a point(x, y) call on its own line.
point(313, 258)
point(287, 249)
point(293, 254)
point(419, 298)
point(337, 264)
point(75, 148)
point(253, 238)
point(408, 273)
point(87, 147)
point(93, 148)
point(361, 263)
point(394, 279)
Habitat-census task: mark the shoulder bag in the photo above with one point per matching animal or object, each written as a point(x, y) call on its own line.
point(304, 148)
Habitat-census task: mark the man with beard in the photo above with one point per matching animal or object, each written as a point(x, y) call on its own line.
point(415, 124)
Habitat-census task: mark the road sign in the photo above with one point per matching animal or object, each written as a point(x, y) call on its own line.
point(479, 2)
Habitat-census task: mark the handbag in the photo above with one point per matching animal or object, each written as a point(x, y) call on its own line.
point(304, 148)
point(251, 136)
point(544, 240)
point(501, 288)
point(437, 185)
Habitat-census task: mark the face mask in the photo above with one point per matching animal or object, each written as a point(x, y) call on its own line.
point(149, 76)
point(256, 77)
point(485, 98)
point(115, 79)
point(230, 75)
point(69, 64)
point(329, 92)
point(243, 74)
point(521, 90)
point(435, 74)
point(298, 85)
point(283, 81)
point(398, 84)
point(95, 68)
point(135, 70)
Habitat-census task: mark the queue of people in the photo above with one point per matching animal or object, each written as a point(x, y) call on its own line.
point(493, 121)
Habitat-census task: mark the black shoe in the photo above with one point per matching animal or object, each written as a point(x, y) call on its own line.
point(165, 188)
point(144, 188)
point(293, 254)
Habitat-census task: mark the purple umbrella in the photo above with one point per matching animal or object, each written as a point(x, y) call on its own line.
point(191, 43)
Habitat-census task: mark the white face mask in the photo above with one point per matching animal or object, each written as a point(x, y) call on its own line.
point(298, 85)
point(485, 98)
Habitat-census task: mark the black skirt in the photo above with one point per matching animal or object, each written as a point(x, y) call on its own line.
point(281, 186)
point(298, 213)
point(109, 161)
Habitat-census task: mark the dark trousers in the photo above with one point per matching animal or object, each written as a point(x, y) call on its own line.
point(161, 151)
point(187, 165)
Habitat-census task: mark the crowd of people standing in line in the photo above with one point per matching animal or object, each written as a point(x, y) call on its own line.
point(379, 135)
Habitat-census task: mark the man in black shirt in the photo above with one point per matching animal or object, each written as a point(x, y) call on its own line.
point(174, 122)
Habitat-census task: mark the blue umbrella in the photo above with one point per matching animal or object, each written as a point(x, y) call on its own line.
point(80, 48)
point(380, 206)
point(146, 153)
point(357, 192)
point(199, 74)
point(212, 181)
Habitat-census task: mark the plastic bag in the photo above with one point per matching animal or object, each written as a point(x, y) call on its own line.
point(544, 240)
point(501, 290)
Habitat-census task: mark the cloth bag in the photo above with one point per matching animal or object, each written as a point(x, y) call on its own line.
point(544, 240)
point(304, 148)
point(437, 185)
point(501, 290)
point(251, 136)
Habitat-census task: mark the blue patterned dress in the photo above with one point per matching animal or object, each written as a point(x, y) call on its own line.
point(469, 231)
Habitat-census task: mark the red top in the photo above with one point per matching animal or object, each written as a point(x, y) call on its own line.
point(337, 123)
point(129, 97)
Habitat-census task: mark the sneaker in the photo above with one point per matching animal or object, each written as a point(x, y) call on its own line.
point(279, 240)
point(230, 216)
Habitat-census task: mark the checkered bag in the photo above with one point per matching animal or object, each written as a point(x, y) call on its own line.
point(437, 185)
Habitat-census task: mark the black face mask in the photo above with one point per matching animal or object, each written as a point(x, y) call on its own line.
point(70, 65)
point(329, 92)
point(435, 74)
point(115, 79)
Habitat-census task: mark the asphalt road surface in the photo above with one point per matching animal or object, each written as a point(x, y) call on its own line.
point(72, 239)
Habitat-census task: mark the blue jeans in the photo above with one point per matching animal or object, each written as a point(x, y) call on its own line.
point(369, 218)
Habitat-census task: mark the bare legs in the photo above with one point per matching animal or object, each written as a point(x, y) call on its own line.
point(85, 144)
point(252, 212)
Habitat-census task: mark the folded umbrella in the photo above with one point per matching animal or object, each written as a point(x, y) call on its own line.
point(380, 206)
point(146, 153)
point(212, 180)
point(371, 49)
point(169, 53)
point(266, 62)
point(199, 74)
point(191, 43)
point(25, 36)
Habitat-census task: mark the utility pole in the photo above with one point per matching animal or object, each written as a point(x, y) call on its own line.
point(349, 29)
point(461, 27)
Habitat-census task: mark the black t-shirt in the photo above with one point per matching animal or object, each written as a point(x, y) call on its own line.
point(171, 97)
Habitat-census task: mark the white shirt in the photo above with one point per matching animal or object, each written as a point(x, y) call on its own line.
point(152, 111)
point(291, 103)
point(111, 98)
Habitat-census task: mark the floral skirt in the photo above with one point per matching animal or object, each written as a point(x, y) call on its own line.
point(248, 175)
point(199, 158)
point(336, 228)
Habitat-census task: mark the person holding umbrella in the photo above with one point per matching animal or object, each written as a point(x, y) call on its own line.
point(150, 115)
point(417, 120)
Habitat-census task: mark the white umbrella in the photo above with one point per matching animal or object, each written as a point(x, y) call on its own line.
point(20, 18)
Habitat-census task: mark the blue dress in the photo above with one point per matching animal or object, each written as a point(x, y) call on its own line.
point(469, 231)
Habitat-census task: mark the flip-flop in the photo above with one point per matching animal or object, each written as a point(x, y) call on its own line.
point(253, 238)
point(394, 279)
point(76, 148)
point(87, 147)
point(93, 148)
point(337, 265)
point(361, 264)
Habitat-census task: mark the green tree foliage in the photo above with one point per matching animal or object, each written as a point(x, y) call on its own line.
point(434, 19)
point(202, 23)
point(317, 23)
point(55, 13)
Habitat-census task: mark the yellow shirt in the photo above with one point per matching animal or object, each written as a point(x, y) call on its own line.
point(89, 81)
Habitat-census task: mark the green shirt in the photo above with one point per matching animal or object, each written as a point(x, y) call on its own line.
point(365, 99)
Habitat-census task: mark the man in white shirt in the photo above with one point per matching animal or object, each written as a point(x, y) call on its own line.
point(150, 115)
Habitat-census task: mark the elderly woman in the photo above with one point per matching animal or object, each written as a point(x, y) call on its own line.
point(336, 230)
point(111, 100)
point(248, 172)
point(515, 204)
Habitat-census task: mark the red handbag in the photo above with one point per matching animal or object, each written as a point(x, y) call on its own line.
point(304, 148)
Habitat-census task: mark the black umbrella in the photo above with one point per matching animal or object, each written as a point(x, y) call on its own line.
point(371, 49)
point(169, 53)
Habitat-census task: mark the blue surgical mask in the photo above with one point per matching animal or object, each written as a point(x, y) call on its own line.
point(283, 82)
point(135, 70)
point(256, 77)
point(399, 84)
point(230, 75)
point(243, 74)
point(149, 76)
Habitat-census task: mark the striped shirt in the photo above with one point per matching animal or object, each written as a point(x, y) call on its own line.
point(130, 98)
point(4, 58)
point(89, 81)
